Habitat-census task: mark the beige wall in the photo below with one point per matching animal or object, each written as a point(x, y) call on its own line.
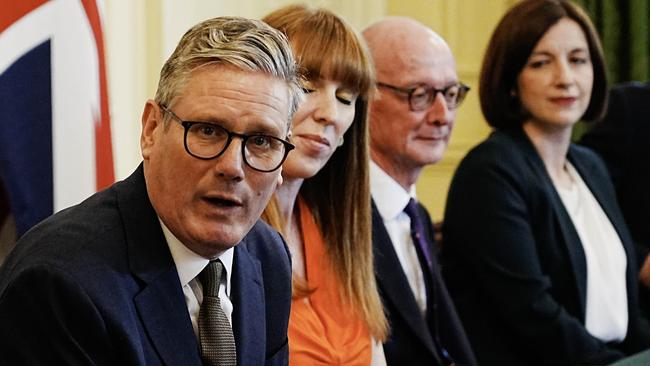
point(141, 34)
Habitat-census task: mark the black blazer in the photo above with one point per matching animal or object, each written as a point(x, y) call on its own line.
point(411, 339)
point(622, 139)
point(514, 263)
point(95, 284)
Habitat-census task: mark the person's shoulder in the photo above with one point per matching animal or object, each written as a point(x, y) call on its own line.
point(90, 220)
point(500, 148)
point(74, 240)
point(632, 87)
point(589, 158)
point(262, 241)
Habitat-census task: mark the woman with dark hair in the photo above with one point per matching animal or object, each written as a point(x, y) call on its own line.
point(323, 205)
point(537, 255)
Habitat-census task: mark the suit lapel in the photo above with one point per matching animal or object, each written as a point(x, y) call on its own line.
point(249, 322)
point(393, 283)
point(166, 320)
point(569, 233)
point(606, 199)
point(598, 187)
point(161, 304)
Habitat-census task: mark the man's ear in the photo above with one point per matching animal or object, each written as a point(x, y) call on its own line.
point(152, 122)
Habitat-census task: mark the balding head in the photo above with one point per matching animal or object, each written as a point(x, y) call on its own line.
point(409, 56)
point(396, 42)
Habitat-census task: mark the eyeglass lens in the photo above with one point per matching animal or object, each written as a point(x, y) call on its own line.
point(422, 97)
point(207, 141)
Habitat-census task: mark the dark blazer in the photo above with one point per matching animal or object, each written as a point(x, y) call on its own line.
point(412, 337)
point(514, 263)
point(622, 139)
point(95, 284)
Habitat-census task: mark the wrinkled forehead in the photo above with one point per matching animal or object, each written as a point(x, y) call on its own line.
point(226, 92)
point(429, 65)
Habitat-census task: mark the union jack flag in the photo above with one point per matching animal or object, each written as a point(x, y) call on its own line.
point(55, 141)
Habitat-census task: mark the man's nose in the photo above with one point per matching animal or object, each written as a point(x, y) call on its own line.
point(439, 112)
point(231, 162)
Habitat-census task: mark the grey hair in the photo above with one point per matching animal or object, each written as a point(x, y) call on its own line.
point(246, 44)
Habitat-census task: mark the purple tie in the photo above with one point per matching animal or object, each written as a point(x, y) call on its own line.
point(417, 230)
point(420, 240)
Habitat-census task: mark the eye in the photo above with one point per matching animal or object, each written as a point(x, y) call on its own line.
point(451, 92)
point(260, 140)
point(579, 60)
point(308, 87)
point(205, 129)
point(536, 64)
point(346, 97)
point(420, 93)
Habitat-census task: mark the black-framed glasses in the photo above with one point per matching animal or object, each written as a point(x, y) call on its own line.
point(205, 141)
point(421, 97)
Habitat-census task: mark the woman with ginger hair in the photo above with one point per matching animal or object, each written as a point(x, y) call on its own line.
point(323, 205)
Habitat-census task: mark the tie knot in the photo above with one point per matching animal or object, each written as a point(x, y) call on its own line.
point(411, 210)
point(417, 230)
point(210, 278)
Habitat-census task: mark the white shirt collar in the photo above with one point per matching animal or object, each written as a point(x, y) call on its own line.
point(189, 264)
point(383, 185)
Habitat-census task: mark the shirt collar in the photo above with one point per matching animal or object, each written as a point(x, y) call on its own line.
point(383, 185)
point(189, 264)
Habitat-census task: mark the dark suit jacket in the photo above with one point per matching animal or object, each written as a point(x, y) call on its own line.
point(411, 339)
point(96, 285)
point(514, 263)
point(622, 139)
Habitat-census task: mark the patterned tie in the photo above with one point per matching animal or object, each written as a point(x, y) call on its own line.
point(417, 230)
point(215, 332)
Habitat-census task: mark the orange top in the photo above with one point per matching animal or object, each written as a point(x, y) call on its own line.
point(323, 330)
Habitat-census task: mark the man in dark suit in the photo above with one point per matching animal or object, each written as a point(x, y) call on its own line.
point(161, 269)
point(410, 124)
point(621, 139)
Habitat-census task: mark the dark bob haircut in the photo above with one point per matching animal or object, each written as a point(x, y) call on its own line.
point(510, 46)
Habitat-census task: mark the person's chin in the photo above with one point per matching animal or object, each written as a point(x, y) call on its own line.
point(305, 170)
point(436, 154)
point(218, 242)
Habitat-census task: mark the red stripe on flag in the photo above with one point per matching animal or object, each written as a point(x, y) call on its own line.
point(103, 147)
point(15, 10)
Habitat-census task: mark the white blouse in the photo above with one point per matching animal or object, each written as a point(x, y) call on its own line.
point(606, 313)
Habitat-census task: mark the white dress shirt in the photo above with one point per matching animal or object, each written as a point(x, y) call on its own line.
point(606, 314)
point(391, 199)
point(188, 266)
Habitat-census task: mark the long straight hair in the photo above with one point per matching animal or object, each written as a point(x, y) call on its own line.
point(338, 196)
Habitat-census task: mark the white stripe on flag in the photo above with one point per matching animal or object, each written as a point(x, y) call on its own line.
point(75, 104)
point(75, 91)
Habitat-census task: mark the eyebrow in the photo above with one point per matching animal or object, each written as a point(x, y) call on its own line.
point(253, 127)
point(549, 53)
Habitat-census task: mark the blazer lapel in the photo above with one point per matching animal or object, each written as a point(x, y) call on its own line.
point(569, 233)
point(598, 187)
point(165, 318)
point(393, 283)
point(249, 319)
point(161, 304)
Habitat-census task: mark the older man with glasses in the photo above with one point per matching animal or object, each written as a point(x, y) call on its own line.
point(171, 266)
point(410, 123)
